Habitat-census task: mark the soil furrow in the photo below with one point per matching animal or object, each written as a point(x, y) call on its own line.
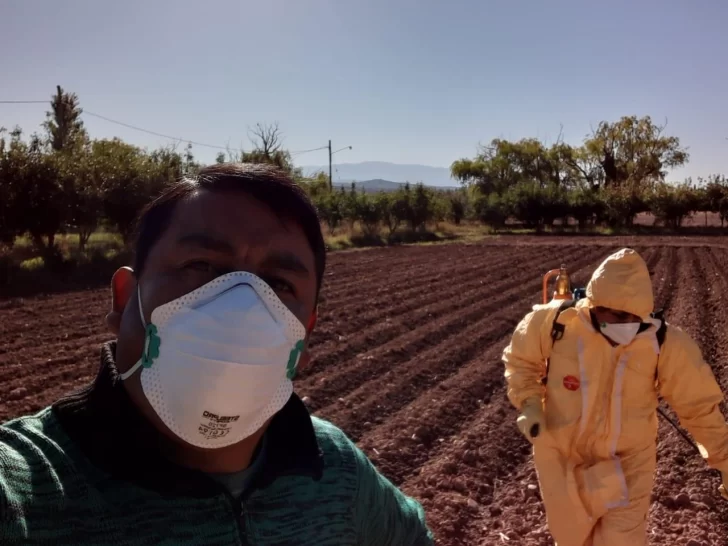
point(401, 385)
point(664, 280)
point(36, 375)
point(427, 330)
point(382, 299)
point(28, 348)
point(332, 351)
point(347, 283)
point(26, 312)
point(679, 470)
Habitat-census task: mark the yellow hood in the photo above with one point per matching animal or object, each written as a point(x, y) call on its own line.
point(622, 282)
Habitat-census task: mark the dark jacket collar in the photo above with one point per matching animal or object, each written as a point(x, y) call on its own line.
point(116, 438)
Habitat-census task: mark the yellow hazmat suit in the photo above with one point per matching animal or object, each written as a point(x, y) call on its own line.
point(595, 453)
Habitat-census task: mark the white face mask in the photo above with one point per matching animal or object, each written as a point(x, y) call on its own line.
point(218, 362)
point(621, 334)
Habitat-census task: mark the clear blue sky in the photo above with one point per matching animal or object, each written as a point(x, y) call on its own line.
point(407, 81)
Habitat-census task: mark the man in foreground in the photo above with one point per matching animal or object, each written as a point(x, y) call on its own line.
point(191, 433)
point(594, 424)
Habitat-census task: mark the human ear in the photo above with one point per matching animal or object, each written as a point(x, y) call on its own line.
point(123, 287)
point(312, 322)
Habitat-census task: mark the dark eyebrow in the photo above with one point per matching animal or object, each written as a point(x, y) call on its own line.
point(286, 261)
point(207, 242)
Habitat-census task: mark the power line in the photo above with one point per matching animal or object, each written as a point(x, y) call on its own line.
point(154, 133)
point(127, 125)
point(311, 150)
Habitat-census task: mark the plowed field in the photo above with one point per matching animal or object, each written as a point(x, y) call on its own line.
point(407, 362)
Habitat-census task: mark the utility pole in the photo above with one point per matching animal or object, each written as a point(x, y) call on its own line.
point(331, 179)
point(331, 170)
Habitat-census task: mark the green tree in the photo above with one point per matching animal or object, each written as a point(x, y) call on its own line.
point(330, 205)
point(384, 201)
point(458, 206)
point(83, 182)
point(63, 124)
point(630, 151)
point(316, 186)
point(494, 169)
point(421, 207)
point(671, 204)
point(538, 207)
point(131, 178)
point(369, 213)
point(715, 189)
point(331, 209)
point(350, 203)
point(397, 208)
point(503, 164)
point(13, 166)
point(492, 209)
point(41, 198)
point(585, 205)
point(623, 203)
point(723, 210)
point(584, 168)
point(635, 151)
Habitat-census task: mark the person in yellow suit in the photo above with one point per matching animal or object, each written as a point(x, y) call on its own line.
point(591, 413)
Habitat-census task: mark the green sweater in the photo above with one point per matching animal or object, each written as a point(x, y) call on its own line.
point(86, 471)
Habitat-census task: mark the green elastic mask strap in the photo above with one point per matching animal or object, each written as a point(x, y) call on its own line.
point(293, 359)
point(150, 352)
point(151, 343)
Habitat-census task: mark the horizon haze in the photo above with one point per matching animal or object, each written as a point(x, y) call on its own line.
point(382, 170)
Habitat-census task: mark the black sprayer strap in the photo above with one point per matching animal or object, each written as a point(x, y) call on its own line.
point(557, 332)
point(662, 330)
point(660, 334)
point(557, 329)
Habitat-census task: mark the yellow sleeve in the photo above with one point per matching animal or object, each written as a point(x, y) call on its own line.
point(524, 356)
point(687, 383)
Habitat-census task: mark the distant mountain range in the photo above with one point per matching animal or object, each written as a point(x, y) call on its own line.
point(380, 171)
point(376, 185)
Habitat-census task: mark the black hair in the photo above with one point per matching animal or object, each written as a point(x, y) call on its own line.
point(266, 183)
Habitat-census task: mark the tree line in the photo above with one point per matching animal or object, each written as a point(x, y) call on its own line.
point(618, 172)
point(61, 180)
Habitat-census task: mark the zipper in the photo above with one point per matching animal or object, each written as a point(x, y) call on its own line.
point(240, 516)
point(242, 524)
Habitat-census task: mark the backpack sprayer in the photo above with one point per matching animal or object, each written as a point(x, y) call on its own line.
point(563, 286)
point(568, 297)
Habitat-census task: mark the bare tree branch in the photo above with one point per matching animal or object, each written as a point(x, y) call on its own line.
point(266, 138)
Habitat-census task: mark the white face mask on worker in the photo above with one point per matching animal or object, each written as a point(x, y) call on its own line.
point(620, 333)
point(218, 362)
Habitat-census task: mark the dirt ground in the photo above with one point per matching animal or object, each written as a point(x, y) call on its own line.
point(407, 362)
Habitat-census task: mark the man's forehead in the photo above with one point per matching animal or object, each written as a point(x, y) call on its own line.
point(229, 216)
